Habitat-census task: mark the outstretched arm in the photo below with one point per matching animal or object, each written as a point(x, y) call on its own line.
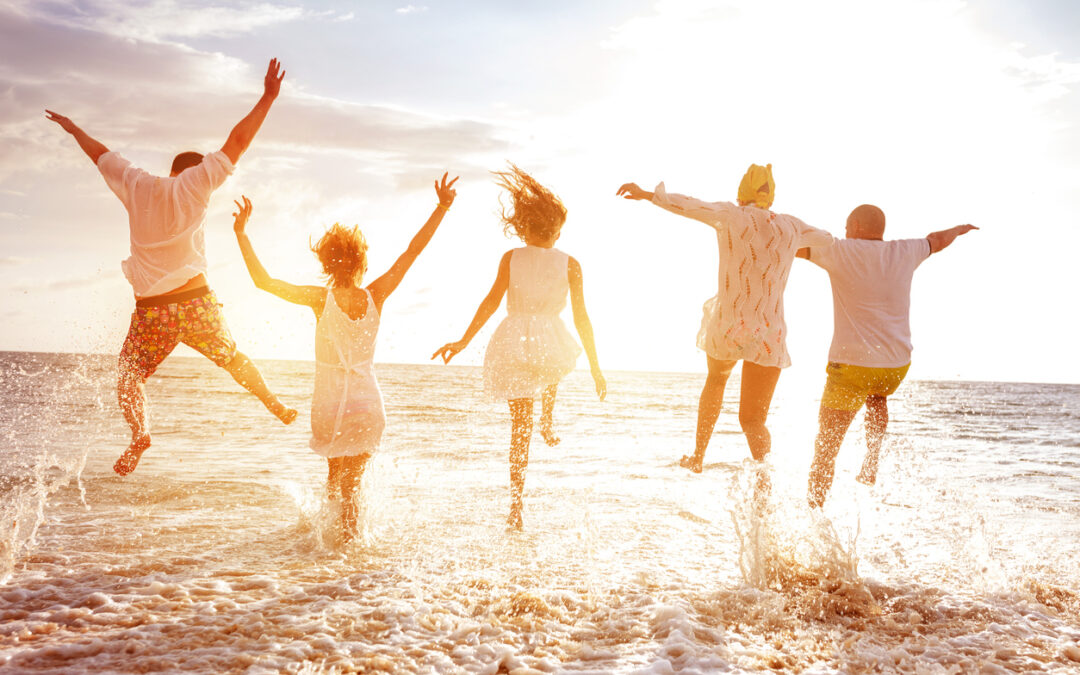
point(939, 240)
point(712, 214)
point(483, 313)
point(312, 296)
point(244, 132)
point(382, 287)
point(93, 148)
point(584, 326)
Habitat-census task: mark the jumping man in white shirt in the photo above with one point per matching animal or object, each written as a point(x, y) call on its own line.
point(167, 267)
point(871, 346)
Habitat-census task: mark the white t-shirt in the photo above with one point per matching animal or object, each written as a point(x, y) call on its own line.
point(165, 217)
point(871, 287)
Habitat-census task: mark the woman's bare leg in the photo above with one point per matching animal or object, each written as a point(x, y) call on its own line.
point(352, 470)
point(546, 422)
point(521, 421)
point(758, 385)
point(709, 404)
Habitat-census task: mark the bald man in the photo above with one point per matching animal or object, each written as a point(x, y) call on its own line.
point(871, 346)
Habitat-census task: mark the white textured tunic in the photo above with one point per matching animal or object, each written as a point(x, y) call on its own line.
point(745, 319)
point(531, 349)
point(347, 416)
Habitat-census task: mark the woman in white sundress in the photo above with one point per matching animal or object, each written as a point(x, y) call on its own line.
point(531, 350)
point(347, 417)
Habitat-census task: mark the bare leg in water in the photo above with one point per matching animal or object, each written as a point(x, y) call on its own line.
point(131, 395)
point(877, 421)
point(832, 426)
point(758, 385)
point(546, 422)
point(712, 398)
point(343, 480)
point(521, 423)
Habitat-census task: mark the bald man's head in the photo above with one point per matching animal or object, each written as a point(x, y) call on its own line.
point(866, 222)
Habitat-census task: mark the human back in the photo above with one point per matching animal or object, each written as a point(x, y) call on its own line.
point(871, 288)
point(539, 282)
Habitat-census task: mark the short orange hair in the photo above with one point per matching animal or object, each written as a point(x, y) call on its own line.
point(343, 254)
point(535, 210)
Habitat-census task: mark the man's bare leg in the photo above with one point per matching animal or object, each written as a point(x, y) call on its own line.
point(546, 423)
point(709, 404)
point(247, 376)
point(758, 385)
point(877, 421)
point(521, 423)
point(832, 426)
point(132, 398)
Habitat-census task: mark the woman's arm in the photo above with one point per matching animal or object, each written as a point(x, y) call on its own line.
point(483, 313)
point(584, 326)
point(312, 296)
point(712, 214)
point(382, 287)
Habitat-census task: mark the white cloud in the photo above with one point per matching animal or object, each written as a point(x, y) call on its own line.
point(411, 9)
point(345, 17)
point(158, 20)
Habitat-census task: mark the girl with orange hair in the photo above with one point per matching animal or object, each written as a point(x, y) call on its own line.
point(347, 416)
point(531, 350)
point(744, 321)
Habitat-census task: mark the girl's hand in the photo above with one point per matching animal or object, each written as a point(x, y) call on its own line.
point(450, 349)
point(601, 383)
point(241, 215)
point(446, 191)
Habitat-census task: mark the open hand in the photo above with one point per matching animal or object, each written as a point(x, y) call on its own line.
point(964, 229)
point(241, 216)
point(446, 191)
point(450, 350)
point(601, 384)
point(631, 191)
point(272, 81)
point(65, 123)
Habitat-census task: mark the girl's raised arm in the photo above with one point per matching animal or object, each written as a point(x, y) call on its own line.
point(483, 313)
point(584, 326)
point(312, 296)
point(382, 287)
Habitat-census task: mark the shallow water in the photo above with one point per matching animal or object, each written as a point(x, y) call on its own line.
point(218, 555)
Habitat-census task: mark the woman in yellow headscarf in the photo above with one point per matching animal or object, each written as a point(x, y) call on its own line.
point(744, 321)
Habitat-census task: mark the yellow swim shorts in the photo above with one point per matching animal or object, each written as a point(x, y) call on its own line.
point(848, 386)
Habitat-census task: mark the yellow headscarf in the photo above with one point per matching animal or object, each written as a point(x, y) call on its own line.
point(756, 177)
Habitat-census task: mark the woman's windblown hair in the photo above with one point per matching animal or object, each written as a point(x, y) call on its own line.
point(343, 254)
point(534, 210)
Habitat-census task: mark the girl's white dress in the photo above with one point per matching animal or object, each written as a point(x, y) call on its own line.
point(347, 416)
point(531, 349)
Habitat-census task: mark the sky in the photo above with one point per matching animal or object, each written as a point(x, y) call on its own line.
point(941, 113)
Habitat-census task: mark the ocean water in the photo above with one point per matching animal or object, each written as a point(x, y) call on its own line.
point(217, 555)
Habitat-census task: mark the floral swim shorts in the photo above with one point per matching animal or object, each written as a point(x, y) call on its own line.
point(159, 324)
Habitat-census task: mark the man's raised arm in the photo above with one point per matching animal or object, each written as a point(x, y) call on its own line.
point(939, 240)
point(94, 149)
point(244, 132)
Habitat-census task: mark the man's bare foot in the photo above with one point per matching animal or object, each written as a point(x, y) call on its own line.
point(283, 413)
point(547, 434)
point(692, 462)
point(866, 478)
point(130, 459)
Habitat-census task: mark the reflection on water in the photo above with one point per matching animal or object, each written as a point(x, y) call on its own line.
point(217, 554)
